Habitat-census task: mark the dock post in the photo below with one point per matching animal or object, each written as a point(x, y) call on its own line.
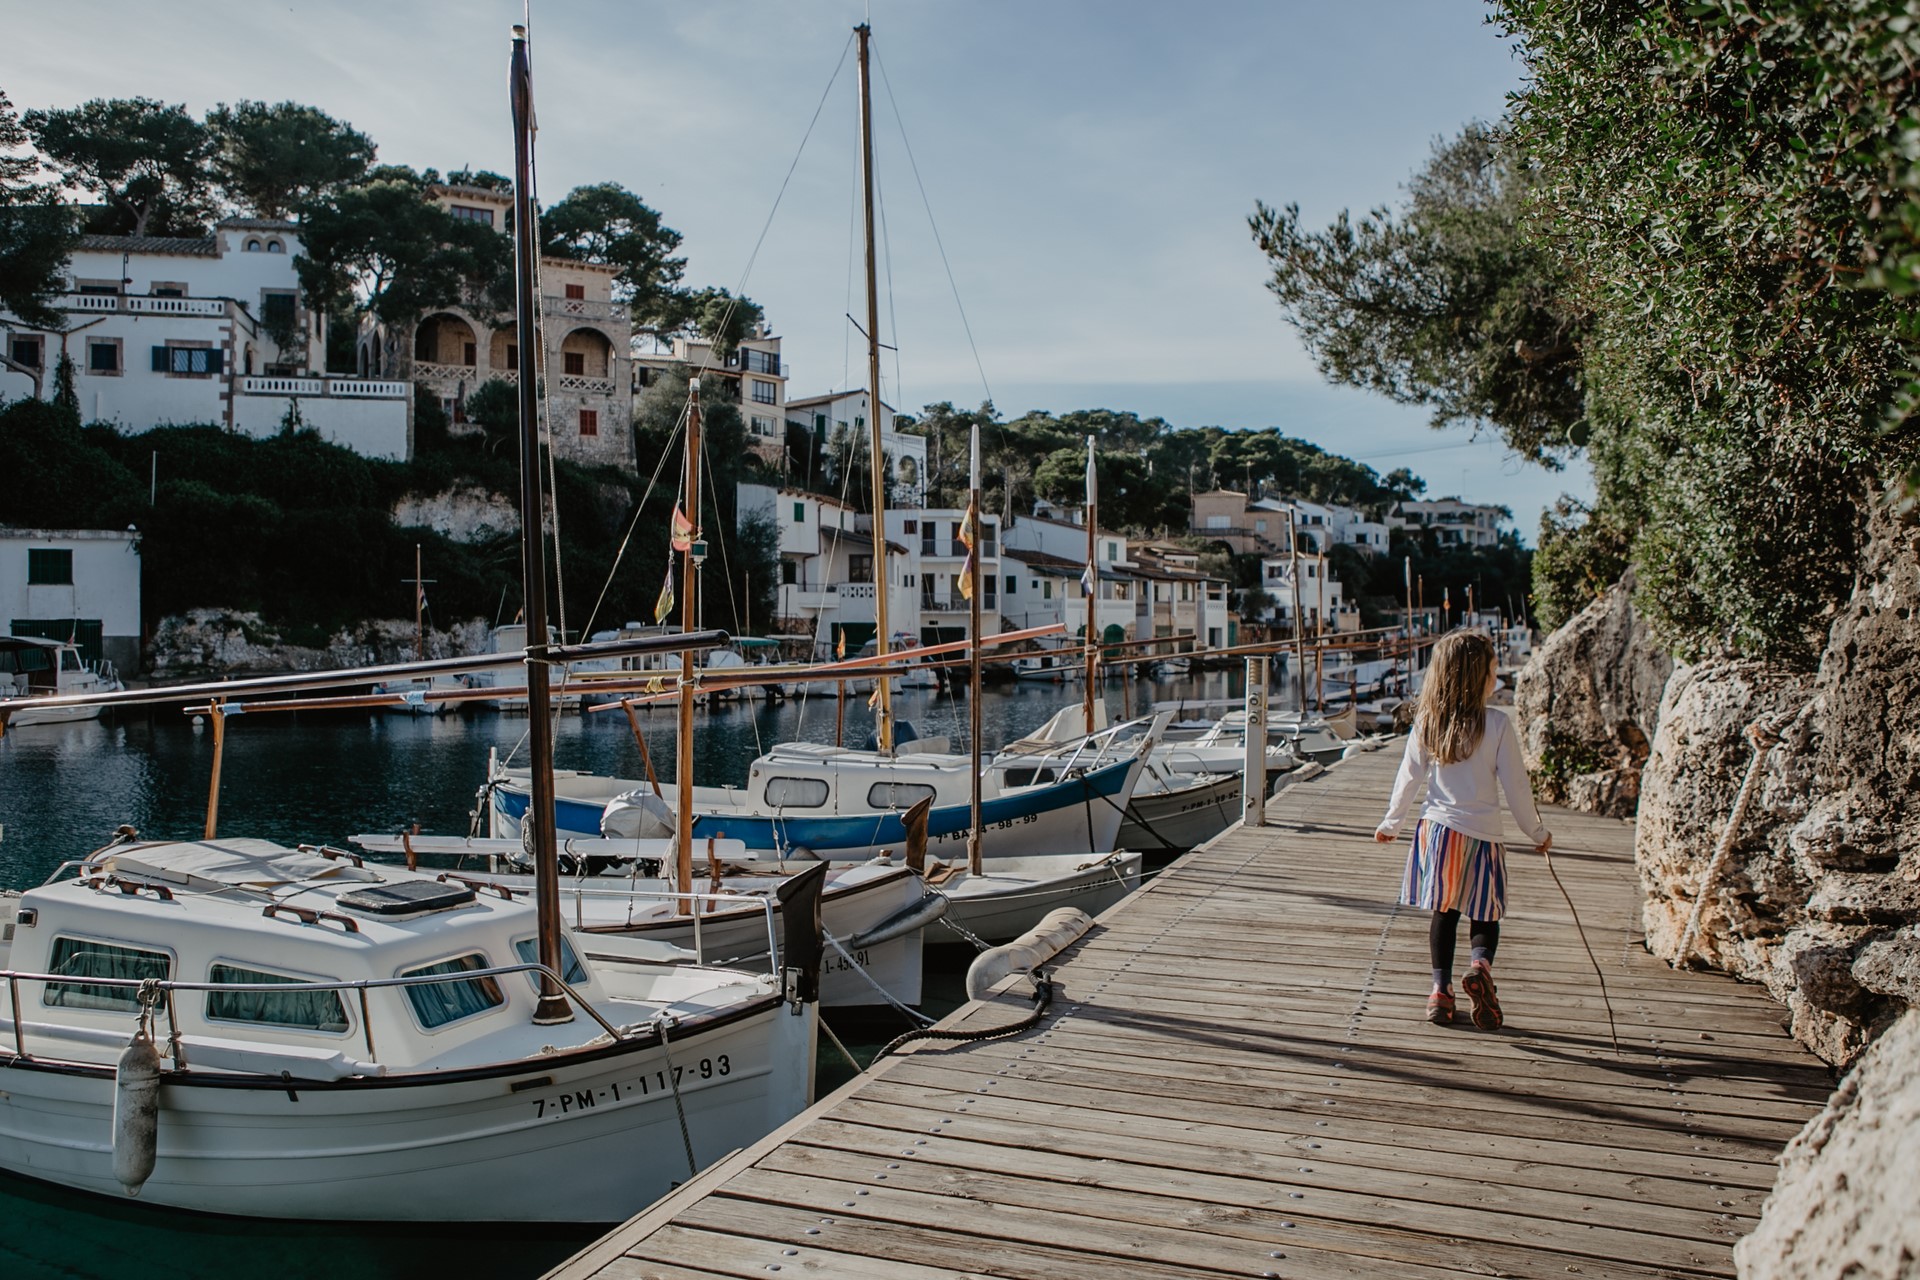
point(1253, 780)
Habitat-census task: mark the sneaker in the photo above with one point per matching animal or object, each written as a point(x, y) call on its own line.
point(1440, 1008)
point(1478, 984)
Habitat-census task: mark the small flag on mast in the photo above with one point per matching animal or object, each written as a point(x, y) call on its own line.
point(968, 537)
point(682, 530)
point(664, 605)
point(840, 645)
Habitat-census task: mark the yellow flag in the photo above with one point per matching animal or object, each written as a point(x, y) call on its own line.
point(664, 605)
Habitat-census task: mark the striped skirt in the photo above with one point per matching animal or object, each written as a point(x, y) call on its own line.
point(1448, 871)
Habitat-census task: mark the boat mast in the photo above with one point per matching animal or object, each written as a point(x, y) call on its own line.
point(1299, 597)
point(419, 608)
point(973, 650)
point(876, 458)
point(683, 759)
point(1093, 589)
point(553, 1005)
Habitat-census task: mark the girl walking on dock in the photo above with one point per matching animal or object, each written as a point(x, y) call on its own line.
point(1466, 753)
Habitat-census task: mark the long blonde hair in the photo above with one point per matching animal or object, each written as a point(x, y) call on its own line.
point(1453, 702)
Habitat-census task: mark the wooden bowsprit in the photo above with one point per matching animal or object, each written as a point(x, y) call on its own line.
point(1613, 1032)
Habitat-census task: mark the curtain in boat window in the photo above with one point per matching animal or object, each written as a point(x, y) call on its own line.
point(897, 795)
point(438, 1003)
point(796, 793)
point(84, 959)
point(311, 1010)
point(571, 971)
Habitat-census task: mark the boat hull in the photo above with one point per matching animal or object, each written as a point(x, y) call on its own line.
point(1183, 819)
point(584, 1137)
point(1015, 895)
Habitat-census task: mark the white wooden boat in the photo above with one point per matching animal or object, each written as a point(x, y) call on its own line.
point(31, 667)
point(334, 1041)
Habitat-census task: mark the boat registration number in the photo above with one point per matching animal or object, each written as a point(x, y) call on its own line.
point(644, 1085)
point(837, 963)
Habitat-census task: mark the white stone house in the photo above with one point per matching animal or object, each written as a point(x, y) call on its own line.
point(1318, 599)
point(1176, 598)
point(826, 584)
point(1454, 523)
point(1053, 553)
point(839, 419)
point(585, 358)
point(188, 330)
point(74, 584)
point(937, 561)
point(757, 367)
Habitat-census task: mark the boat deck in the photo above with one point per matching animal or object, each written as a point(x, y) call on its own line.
point(1235, 1080)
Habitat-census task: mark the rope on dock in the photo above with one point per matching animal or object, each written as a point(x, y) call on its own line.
point(1042, 999)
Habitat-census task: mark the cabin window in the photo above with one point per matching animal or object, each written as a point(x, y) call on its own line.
point(83, 959)
point(308, 1010)
point(1028, 777)
point(897, 795)
point(572, 972)
point(796, 793)
point(439, 1003)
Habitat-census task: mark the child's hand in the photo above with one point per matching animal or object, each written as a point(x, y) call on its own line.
point(1545, 844)
point(1382, 836)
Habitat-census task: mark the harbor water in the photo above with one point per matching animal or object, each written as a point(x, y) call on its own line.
point(307, 778)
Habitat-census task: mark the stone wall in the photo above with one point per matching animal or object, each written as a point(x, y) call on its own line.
point(464, 513)
point(216, 642)
point(1843, 1204)
point(1588, 703)
point(1820, 898)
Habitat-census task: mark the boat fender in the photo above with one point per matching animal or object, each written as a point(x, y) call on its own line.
point(908, 919)
point(1059, 930)
point(136, 1111)
point(1311, 769)
point(638, 815)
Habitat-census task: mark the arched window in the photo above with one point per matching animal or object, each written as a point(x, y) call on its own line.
point(253, 246)
point(274, 246)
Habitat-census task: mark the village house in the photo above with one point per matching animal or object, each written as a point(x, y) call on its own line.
point(585, 358)
point(1050, 553)
point(202, 329)
point(755, 366)
point(1316, 598)
point(826, 588)
point(1454, 523)
point(1176, 598)
point(838, 421)
point(78, 585)
point(938, 559)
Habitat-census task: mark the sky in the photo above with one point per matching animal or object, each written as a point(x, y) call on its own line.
point(1076, 173)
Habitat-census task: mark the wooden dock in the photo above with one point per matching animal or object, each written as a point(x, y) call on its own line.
point(1235, 1080)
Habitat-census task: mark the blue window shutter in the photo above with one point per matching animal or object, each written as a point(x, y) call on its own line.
point(159, 359)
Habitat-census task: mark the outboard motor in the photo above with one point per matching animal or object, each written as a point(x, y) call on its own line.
point(803, 941)
point(638, 815)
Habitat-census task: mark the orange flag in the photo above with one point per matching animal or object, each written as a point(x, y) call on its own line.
point(682, 530)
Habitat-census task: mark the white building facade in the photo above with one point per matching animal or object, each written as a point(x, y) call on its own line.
point(1454, 523)
point(81, 585)
point(202, 330)
point(839, 422)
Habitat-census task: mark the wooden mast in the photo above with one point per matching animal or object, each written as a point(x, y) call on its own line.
point(683, 759)
point(1299, 597)
point(1093, 591)
point(876, 457)
point(973, 649)
point(553, 1006)
point(419, 608)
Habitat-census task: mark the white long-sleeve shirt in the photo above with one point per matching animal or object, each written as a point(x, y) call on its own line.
point(1463, 795)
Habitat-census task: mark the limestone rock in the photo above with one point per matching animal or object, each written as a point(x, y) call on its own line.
point(1587, 705)
point(1843, 1204)
point(464, 513)
point(213, 642)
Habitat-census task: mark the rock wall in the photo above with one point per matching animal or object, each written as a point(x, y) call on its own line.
point(1588, 703)
point(1843, 1204)
point(464, 513)
point(203, 642)
point(1820, 897)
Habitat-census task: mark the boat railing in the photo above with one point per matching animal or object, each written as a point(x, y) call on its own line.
point(581, 891)
point(360, 986)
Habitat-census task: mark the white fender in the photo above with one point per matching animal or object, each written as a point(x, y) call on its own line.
point(1057, 931)
point(136, 1112)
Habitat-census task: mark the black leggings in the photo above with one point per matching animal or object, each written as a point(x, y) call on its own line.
point(1444, 930)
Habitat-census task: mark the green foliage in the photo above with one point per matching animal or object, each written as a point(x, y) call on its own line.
point(1730, 193)
point(66, 397)
point(145, 159)
point(494, 407)
point(1447, 304)
point(271, 160)
point(382, 248)
point(1580, 555)
point(37, 232)
point(54, 480)
point(608, 224)
point(722, 319)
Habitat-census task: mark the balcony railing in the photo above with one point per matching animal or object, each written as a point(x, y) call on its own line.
point(584, 308)
point(341, 388)
point(431, 369)
point(141, 304)
point(582, 383)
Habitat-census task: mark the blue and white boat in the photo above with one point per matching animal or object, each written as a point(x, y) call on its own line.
point(845, 805)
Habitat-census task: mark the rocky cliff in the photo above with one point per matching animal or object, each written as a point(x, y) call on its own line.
point(205, 642)
point(1843, 1204)
point(1820, 895)
point(1588, 704)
